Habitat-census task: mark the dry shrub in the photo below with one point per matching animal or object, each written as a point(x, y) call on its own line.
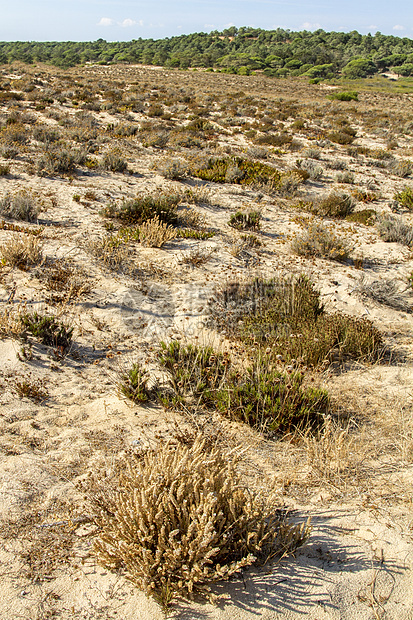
point(330, 454)
point(145, 207)
point(174, 169)
point(385, 292)
point(155, 233)
point(395, 229)
point(10, 322)
point(319, 241)
point(20, 206)
point(21, 252)
point(177, 518)
point(64, 278)
point(333, 205)
point(114, 255)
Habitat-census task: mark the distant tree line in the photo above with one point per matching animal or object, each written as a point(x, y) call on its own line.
point(236, 50)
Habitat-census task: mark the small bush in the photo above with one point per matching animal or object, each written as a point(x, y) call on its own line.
point(114, 162)
point(365, 216)
point(61, 160)
point(154, 233)
point(345, 177)
point(133, 384)
point(4, 170)
point(21, 252)
point(319, 241)
point(241, 171)
point(315, 171)
point(34, 389)
point(20, 206)
point(174, 169)
point(245, 221)
point(334, 205)
point(340, 137)
point(48, 330)
point(177, 518)
point(64, 278)
point(394, 229)
point(405, 198)
point(401, 168)
point(143, 208)
point(384, 292)
point(344, 96)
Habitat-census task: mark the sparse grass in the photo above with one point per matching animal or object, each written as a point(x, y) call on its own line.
point(320, 241)
point(142, 510)
point(385, 292)
point(34, 389)
point(113, 252)
point(64, 278)
point(21, 252)
point(20, 206)
point(197, 256)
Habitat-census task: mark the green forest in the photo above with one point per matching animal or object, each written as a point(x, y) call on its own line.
point(277, 53)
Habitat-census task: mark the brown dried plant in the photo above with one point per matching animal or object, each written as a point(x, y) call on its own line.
point(155, 233)
point(177, 518)
point(21, 252)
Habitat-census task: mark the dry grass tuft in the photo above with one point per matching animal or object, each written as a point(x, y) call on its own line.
point(21, 252)
point(154, 233)
point(177, 518)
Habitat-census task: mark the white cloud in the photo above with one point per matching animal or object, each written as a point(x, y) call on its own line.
point(127, 23)
point(398, 27)
point(106, 21)
point(372, 27)
point(309, 26)
point(210, 26)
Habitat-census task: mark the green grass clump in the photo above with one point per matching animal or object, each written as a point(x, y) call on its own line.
point(235, 170)
point(286, 316)
point(365, 216)
point(245, 221)
point(48, 330)
point(144, 208)
point(344, 96)
point(133, 384)
point(405, 198)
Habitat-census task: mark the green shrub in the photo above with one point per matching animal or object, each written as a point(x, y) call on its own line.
point(272, 402)
point(245, 221)
point(344, 96)
point(247, 172)
point(143, 208)
point(405, 198)
point(340, 137)
point(48, 330)
point(365, 216)
point(114, 162)
point(195, 373)
point(334, 205)
point(286, 316)
point(133, 384)
point(61, 160)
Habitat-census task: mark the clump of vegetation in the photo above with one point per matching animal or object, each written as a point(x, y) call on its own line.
point(112, 252)
point(174, 169)
point(245, 221)
point(394, 229)
point(320, 241)
point(195, 373)
point(235, 170)
point(64, 278)
point(335, 205)
point(286, 316)
point(133, 384)
point(385, 292)
point(20, 206)
point(344, 96)
point(401, 168)
point(154, 233)
point(34, 389)
point(365, 216)
point(142, 512)
point(48, 330)
point(21, 252)
point(61, 160)
point(114, 162)
point(405, 198)
point(146, 207)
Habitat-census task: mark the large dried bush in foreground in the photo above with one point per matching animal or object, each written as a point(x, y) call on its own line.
point(177, 518)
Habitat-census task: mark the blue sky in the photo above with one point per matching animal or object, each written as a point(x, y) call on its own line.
point(113, 20)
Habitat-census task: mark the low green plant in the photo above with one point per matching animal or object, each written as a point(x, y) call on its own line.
point(249, 220)
point(405, 198)
point(133, 384)
point(48, 330)
point(247, 172)
point(344, 96)
point(146, 207)
point(365, 216)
